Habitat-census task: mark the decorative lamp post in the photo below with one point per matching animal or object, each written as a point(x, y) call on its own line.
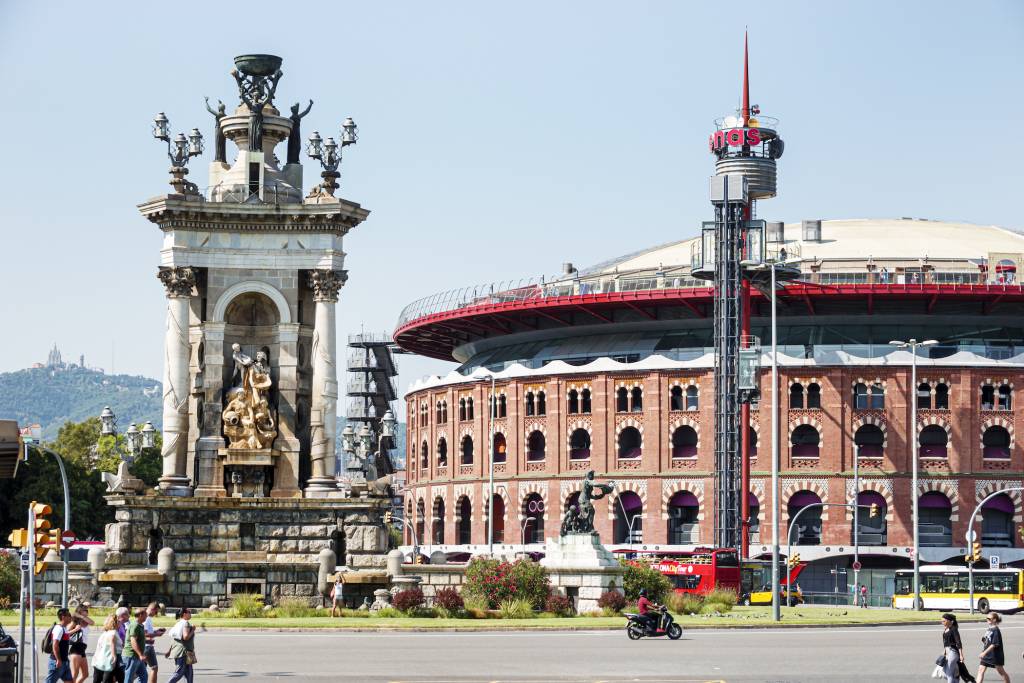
point(179, 151)
point(328, 153)
point(135, 440)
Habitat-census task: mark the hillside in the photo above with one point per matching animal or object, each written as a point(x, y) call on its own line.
point(51, 397)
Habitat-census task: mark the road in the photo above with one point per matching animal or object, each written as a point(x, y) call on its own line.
point(781, 655)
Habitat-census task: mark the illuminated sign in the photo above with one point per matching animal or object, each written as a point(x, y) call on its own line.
point(734, 137)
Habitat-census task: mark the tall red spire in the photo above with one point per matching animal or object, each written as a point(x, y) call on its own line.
point(746, 84)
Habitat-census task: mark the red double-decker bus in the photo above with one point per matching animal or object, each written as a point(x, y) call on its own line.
point(696, 571)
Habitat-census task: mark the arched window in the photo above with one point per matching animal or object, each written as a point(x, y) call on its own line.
point(683, 522)
point(437, 523)
point(531, 406)
point(630, 443)
point(464, 525)
point(942, 396)
point(675, 401)
point(500, 448)
point(585, 401)
point(753, 442)
point(988, 397)
point(754, 517)
point(533, 519)
point(574, 402)
point(995, 443)
point(629, 519)
point(502, 406)
point(462, 409)
point(542, 406)
point(932, 442)
point(796, 396)
point(579, 444)
point(1004, 398)
point(936, 514)
point(692, 398)
point(421, 520)
point(684, 442)
point(860, 396)
point(876, 397)
point(492, 404)
point(437, 413)
point(442, 452)
point(469, 408)
point(868, 440)
point(535, 446)
point(924, 396)
point(805, 441)
point(444, 411)
point(637, 399)
point(997, 523)
point(467, 450)
point(424, 455)
point(498, 503)
point(424, 411)
point(814, 395)
point(871, 530)
point(808, 523)
point(622, 400)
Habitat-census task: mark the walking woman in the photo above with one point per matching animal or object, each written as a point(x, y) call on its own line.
point(104, 660)
point(992, 655)
point(79, 641)
point(952, 648)
point(183, 650)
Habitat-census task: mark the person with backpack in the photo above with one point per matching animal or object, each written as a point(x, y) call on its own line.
point(134, 652)
point(57, 644)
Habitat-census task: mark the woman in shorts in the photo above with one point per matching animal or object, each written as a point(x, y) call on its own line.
point(992, 656)
point(79, 641)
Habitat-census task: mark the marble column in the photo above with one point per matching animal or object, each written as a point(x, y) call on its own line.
point(179, 283)
point(323, 412)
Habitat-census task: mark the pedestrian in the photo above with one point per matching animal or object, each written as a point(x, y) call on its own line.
point(79, 641)
point(992, 656)
point(121, 616)
point(863, 596)
point(104, 660)
point(953, 649)
point(134, 651)
point(183, 650)
point(337, 594)
point(151, 635)
point(60, 646)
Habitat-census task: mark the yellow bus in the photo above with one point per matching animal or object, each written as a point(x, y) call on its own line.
point(946, 587)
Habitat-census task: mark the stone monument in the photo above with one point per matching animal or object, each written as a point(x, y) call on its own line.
point(248, 500)
point(579, 566)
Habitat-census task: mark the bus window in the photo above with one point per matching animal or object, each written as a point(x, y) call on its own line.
point(903, 585)
point(688, 582)
point(931, 583)
point(1004, 583)
point(727, 559)
point(983, 583)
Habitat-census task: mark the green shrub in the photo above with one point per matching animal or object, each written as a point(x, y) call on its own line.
point(685, 603)
point(449, 600)
point(473, 603)
point(516, 608)
point(353, 613)
point(559, 605)
point(530, 582)
point(714, 608)
point(611, 602)
point(637, 575)
point(295, 608)
point(495, 581)
point(10, 575)
point(724, 596)
point(246, 605)
point(387, 613)
point(408, 600)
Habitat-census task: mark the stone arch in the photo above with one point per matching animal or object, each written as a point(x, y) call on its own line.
point(636, 486)
point(525, 489)
point(254, 286)
point(995, 422)
point(871, 420)
point(947, 489)
point(485, 510)
point(1016, 496)
point(573, 425)
point(536, 426)
point(682, 421)
point(803, 420)
point(634, 383)
point(881, 487)
point(820, 488)
point(628, 422)
point(938, 421)
point(671, 488)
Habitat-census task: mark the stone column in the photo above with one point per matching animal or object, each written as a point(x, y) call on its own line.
point(179, 282)
point(323, 412)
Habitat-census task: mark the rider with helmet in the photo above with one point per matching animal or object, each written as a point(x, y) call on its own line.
point(647, 611)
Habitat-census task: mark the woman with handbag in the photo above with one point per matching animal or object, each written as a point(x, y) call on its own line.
point(183, 650)
point(992, 656)
point(953, 651)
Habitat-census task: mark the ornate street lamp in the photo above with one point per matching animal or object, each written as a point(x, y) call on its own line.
point(328, 153)
point(179, 151)
point(135, 440)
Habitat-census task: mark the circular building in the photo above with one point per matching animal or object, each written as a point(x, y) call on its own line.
point(611, 369)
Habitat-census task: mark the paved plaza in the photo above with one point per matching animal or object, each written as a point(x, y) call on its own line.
point(810, 654)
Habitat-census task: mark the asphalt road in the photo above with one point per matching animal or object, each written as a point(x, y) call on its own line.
point(781, 655)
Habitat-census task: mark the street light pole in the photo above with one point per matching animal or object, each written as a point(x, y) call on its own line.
point(856, 525)
point(776, 606)
point(971, 536)
point(912, 344)
point(492, 408)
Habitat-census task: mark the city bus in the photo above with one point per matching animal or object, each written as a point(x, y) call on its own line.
point(946, 587)
point(756, 583)
point(695, 571)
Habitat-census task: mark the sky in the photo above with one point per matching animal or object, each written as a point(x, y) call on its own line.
point(497, 140)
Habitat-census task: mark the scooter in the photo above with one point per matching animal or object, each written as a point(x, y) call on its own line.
point(636, 628)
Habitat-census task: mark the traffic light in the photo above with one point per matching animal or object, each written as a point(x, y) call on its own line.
point(19, 538)
point(874, 510)
point(387, 517)
point(793, 561)
point(40, 536)
point(976, 550)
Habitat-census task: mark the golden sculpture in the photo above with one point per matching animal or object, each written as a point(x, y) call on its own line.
point(248, 423)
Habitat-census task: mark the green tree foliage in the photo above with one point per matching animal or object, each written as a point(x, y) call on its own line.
point(85, 454)
point(637, 575)
point(10, 578)
point(495, 582)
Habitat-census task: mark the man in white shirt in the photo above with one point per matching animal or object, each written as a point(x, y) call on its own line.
point(151, 635)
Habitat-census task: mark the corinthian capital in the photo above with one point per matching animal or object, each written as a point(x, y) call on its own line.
point(327, 283)
point(178, 281)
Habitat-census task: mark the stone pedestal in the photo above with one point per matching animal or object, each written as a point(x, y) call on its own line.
point(582, 569)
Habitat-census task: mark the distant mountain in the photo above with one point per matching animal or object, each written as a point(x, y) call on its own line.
point(51, 396)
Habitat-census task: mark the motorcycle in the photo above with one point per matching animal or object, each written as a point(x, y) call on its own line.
point(636, 628)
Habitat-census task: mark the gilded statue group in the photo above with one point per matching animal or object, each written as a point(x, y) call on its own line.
point(248, 422)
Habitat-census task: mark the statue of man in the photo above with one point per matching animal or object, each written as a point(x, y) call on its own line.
point(242, 363)
point(589, 492)
point(256, 96)
point(295, 137)
point(220, 147)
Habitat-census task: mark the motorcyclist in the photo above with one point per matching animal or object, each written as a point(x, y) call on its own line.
point(647, 610)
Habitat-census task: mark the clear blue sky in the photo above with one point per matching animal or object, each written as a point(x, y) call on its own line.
point(497, 139)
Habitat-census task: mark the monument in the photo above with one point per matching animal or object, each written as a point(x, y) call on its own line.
point(579, 566)
point(253, 269)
